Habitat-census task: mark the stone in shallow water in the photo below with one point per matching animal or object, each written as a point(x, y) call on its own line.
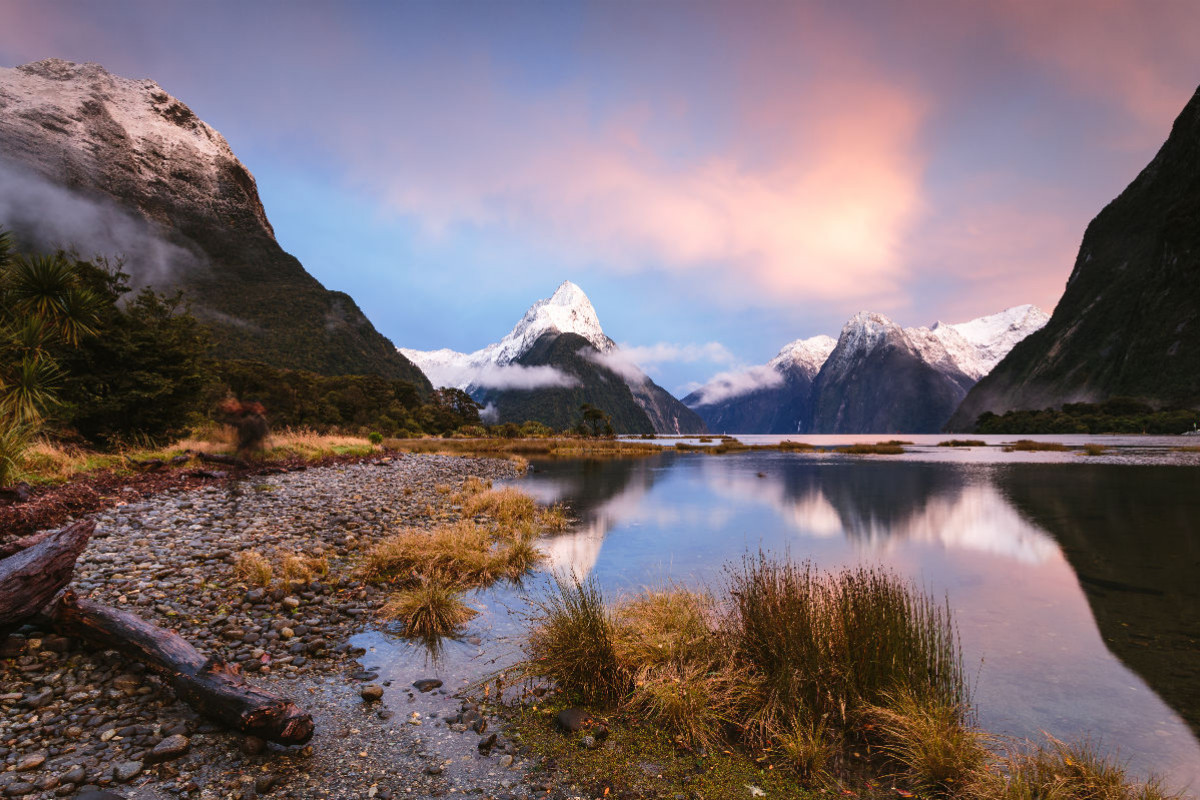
point(427, 684)
point(372, 693)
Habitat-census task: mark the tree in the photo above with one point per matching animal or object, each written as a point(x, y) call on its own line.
point(595, 421)
point(146, 377)
point(46, 309)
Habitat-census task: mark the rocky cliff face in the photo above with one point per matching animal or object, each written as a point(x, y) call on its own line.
point(95, 161)
point(1128, 323)
point(876, 378)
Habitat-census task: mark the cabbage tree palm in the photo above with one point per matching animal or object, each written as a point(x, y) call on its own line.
point(44, 310)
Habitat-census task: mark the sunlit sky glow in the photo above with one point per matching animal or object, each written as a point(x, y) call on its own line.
point(720, 178)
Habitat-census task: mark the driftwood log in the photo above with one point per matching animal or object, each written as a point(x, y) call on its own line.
point(37, 569)
point(210, 686)
point(221, 458)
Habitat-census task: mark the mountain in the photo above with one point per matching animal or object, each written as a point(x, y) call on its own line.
point(120, 167)
point(1128, 323)
point(876, 378)
point(555, 359)
point(775, 398)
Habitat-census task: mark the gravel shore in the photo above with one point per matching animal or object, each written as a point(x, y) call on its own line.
point(73, 718)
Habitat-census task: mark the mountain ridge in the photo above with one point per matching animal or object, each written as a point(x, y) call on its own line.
point(1128, 322)
point(851, 385)
point(138, 160)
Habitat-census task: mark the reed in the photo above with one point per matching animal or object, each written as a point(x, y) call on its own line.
point(963, 443)
point(936, 751)
point(571, 641)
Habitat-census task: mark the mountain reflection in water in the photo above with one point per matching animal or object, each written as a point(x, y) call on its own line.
point(1051, 569)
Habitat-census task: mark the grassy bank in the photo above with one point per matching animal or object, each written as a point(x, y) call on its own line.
point(798, 679)
point(49, 463)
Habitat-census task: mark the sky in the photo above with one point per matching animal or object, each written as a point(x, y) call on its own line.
point(720, 178)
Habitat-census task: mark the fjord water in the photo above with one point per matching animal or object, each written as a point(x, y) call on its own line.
point(1075, 586)
point(1073, 579)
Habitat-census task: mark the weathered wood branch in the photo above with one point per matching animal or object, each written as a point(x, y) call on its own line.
point(38, 568)
point(210, 686)
point(220, 458)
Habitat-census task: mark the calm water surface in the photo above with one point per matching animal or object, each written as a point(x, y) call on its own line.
point(1075, 582)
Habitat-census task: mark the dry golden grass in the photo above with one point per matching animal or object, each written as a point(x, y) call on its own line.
point(892, 448)
point(464, 553)
point(253, 568)
point(1029, 445)
point(667, 625)
point(934, 749)
point(1091, 449)
point(1061, 771)
point(963, 443)
point(302, 569)
point(430, 609)
point(519, 450)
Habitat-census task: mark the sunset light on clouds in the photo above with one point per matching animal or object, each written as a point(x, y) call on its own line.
point(745, 173)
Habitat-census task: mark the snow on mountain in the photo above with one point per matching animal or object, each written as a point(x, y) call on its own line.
point(972, 348)
point(990, 338)
point(568, 310)
point(805, 355)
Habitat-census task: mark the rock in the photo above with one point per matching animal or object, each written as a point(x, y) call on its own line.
point(252, 745)
point(97, 794)
point(427, 684)
point(371, 692)
point(506, 761)
point(74, 775)
point(486, 744)
point(588, 742)
point(572, 720)
point(291, 602)
point(31, 762)
point(168, 749)
point(125, 771)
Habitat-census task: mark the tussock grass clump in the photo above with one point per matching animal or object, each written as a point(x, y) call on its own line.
point(429, 610)
point(1093, 449)
point(804, 669)
point(507, 505)
point(1029, 445)
point(253, 568)
point(572, 642)
point(936, 751)
point(1063, 771)
point(963, 443)
point(892, 448)
point(301, 569)
point(1191, 448)
point(831, 645)
point(462, 552)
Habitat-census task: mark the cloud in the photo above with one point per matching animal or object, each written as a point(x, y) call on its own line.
point(726, 385)
point(491, 376)
point(632, 362)
point(45, 216)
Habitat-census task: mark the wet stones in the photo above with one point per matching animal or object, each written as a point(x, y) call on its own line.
point(427, 684)
point(168, 749)
point(371, 693)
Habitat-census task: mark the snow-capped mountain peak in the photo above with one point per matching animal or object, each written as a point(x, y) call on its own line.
point(807, 355)
point(568, 310)
point(979, 345)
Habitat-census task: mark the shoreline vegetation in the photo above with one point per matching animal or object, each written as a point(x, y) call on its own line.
point(790, 682)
